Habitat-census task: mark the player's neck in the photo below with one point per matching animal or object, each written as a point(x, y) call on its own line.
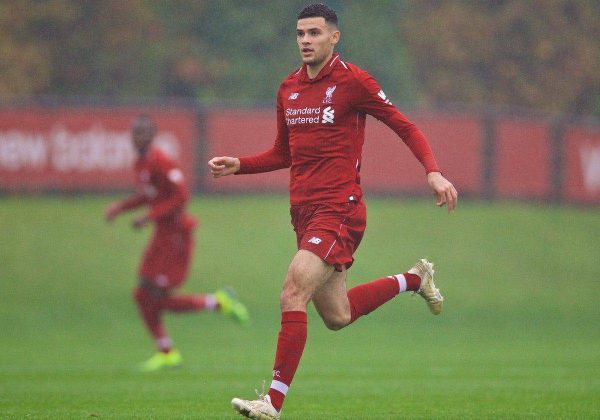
point(143, 151)
point(313, 71)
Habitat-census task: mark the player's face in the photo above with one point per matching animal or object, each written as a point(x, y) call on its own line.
point(142, 135)
point(316, 39)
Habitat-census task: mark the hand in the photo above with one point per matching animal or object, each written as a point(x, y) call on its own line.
point(140, 221)
point(112, 212)
point(444, 191)
point(223, 166)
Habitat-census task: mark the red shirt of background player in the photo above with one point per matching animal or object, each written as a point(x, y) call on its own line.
point(160, 184)
point(321, 132)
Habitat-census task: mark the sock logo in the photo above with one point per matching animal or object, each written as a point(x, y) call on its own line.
point(276, 374)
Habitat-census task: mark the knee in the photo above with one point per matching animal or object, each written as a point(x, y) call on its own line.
point(294, 293)
point(290, 296)
point(141, 296)
point(337, 322)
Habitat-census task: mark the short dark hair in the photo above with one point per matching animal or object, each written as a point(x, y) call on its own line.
point(145, 123)
point(319, 10)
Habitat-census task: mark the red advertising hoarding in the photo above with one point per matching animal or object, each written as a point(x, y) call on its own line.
point(523, 159)
point(581, 163)
point(242, 133)
point(389, 166)
point(85, 148)
point(88, 148)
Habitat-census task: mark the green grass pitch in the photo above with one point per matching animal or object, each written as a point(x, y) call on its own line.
point(519, 336)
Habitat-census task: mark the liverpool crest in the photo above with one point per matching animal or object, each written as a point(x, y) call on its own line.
point(329, 94)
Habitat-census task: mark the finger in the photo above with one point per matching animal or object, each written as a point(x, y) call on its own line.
point(450, 201)
point(454, 197)
point(217, 161)
point(218, 174)
point(441, 199)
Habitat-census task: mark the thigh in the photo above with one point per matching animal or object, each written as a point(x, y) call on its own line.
point(306, 274)
point(167, 258)
point(152, 289)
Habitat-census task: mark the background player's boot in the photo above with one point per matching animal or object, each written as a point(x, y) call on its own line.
point(231, 306)
point(258, 409)
point(162, 360)
point(427, 290)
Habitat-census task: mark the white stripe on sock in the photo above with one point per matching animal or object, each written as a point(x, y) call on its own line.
point(279, 386)
point(164, 343)
point(210, 303)
point(401, 282)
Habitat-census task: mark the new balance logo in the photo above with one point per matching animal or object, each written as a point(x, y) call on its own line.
point(293, 96)
point(315, 240)
point(328, 115)
point(381, 94)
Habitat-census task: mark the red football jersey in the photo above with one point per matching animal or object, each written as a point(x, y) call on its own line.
point(321, 131)
point(161, 185)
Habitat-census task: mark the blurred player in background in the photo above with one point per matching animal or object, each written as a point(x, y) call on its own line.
point(321, 111)
point(165, 264)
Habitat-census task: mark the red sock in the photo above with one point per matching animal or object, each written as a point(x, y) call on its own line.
point(413, 282)
point(367, 297)
point(183, 303)
point(150, 311)
point(290, 345)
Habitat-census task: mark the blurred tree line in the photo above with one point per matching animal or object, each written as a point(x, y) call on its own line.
point(542, 54)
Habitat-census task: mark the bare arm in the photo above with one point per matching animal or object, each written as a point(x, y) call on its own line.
point(116, 208)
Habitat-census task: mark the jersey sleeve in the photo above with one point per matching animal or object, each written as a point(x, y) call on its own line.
point(278, 157)
point(370, 99)
point(171, 178)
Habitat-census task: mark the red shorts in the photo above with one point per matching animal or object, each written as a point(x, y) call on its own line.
point(331, 231)
point(166, 260)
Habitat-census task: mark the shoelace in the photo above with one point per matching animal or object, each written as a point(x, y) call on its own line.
point(262, 394)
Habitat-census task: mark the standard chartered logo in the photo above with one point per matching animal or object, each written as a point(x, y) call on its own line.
point(307, 115)
point(328, 115)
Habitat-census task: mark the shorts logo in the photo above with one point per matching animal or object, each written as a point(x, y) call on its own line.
point(293, 96)
point(315, 240)
point(329, 94)
point(161, 280)
point(328, 115)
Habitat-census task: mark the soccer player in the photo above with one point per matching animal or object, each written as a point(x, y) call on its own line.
point(321, 111)
point(161, 187)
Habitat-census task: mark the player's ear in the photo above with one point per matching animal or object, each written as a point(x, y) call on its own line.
point(335, 37)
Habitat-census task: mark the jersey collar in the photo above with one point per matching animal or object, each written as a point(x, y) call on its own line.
point(328, 68)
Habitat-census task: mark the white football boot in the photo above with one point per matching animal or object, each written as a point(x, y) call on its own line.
point(428, 291)
point(261, 409)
